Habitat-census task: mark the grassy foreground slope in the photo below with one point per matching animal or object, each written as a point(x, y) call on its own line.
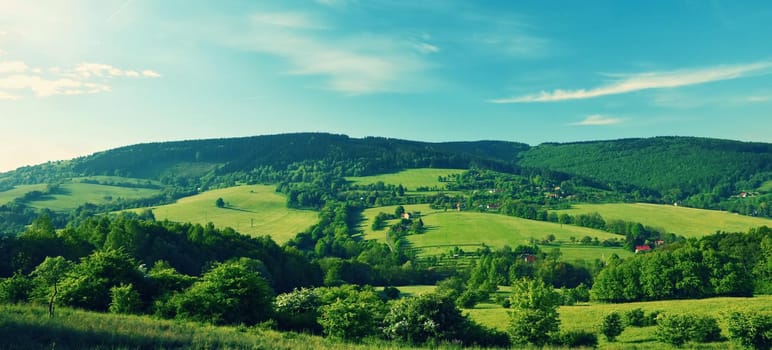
point(253, 210)
point(411, 178)
point(445, 229)
point(29, 327)
point(689, 222)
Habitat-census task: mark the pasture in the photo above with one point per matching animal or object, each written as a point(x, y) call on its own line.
point(410, 179)
point(470, 230)
point(688, 222)
point(253, 210)
point(19, 191)
point(74, 194)
point(587, 316)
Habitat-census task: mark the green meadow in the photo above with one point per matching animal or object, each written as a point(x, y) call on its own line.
point(252, 210)
point(410, 179)
point(19, 191)
point(587, 316)
point(446, 229)
point(29, 327)
point(75, 194)
point(689, 222)
point(766, 186)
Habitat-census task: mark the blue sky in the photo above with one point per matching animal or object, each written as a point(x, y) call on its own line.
point(78, 77)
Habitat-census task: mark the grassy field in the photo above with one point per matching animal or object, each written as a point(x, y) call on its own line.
point(76, 194)
point(689, 222)
point(253, 210)
point(445, 229)
point(410, 179)
point(19, 191)
point(29, 327)
point(587, 317)
point(766, 187)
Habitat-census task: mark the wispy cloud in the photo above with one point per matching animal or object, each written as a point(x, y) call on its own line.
point(597, 119)
point(16, 77)
point(626, 83)
point(292, 20)
point(118, 11)
point(13, 67)
point(351, 64)
point(759, 98)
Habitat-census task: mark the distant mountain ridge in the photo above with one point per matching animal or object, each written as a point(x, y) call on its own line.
point(677, 165)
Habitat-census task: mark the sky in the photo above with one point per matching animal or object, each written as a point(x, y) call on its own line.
point(77, 77)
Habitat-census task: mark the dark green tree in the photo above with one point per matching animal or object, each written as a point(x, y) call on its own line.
point(47, 276)
point(229, 293)
point(612, 326)
point(354, 316)
point(124, 300)
point(220, 203)
point(534, 317)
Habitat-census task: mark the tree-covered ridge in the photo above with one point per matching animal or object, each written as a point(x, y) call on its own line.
point(677, 167)
point(369, 155)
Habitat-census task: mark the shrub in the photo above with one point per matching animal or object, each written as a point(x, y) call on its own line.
point(705, 329)
point(125, 300)
point(15, 289)
point(612, 326)
point(356, 315)
point(534, 317)
point(578, 338)
point(674, 329)
point(651, 318)
point(298, 310)
point(678, 329)
point(750, 329)
point(229, 293)
point(635, 318)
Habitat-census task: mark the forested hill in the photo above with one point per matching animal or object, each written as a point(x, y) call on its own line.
point(675, 166)
point(196, 158)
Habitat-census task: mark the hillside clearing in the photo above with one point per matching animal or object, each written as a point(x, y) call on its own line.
point(252, 210)
point(19, 191)
point(410, 179)
point(688, 222)
point(75, 194)
point(446, 229)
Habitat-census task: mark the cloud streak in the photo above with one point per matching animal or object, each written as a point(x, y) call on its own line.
point(352, 64)
point(626, 83)
point(598, 120)
point(16, 78)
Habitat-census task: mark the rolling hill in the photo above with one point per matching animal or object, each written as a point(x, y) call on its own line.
point(470, 230)
point(253, 210)
point(688, 222)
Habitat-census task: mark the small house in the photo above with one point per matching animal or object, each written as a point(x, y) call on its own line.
point(642, 248)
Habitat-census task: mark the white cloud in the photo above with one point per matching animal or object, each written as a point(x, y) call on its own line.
point(85, 78)
point(758, 98)
point(334, 3)
point(291, 20)
point(351, 64)
point(626, 83)
point(426, 48)
point(13, 67)
point(597, 119)
point(149, 74)
point(7, 96)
